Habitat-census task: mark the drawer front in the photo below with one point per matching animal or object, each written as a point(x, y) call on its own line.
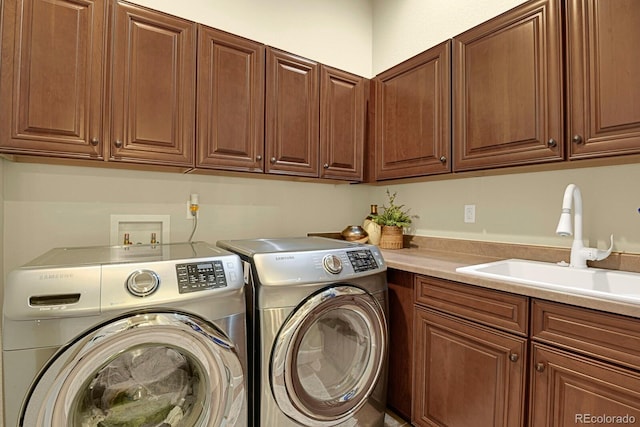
point(607, 336)
point(493, 308)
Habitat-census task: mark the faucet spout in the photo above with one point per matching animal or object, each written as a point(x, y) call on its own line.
point(579, 254)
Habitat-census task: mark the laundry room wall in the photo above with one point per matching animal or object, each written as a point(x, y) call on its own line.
point(524, 208)
point(513, 207)
point(333, 32)
point(50, 206)
point(402, 29)
point(47, 206)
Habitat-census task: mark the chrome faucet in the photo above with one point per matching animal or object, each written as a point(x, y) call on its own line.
point(579, 254)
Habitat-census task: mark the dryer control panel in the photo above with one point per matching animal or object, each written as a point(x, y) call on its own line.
point(199, 276)
point(362, 260)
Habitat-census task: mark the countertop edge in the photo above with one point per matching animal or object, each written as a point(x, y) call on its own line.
point(443, 265)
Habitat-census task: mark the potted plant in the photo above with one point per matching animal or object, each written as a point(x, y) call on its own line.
point(393, 219)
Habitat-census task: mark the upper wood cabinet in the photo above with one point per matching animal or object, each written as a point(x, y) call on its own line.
point(51, 83)
point(152, 87)
point(603, 77)
point(412, 114)
point(230, 123)
point(292, 115)
point(507, 89)
point(342, 124)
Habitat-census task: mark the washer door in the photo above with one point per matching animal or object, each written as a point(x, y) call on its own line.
point(143, 369)
point(328, 356)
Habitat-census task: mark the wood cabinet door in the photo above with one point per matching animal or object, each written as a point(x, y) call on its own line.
point(342, 121)
point(152, 87)
point(603, 69)
point(569, 390)
point(466, 375)
point(292, 115)
point(507, 91)
point(230, 96)
point(413, 119)
point(52, 69)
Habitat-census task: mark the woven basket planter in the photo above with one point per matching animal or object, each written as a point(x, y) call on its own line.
point(391, 237)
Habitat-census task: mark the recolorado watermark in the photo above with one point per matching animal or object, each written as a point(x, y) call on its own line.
point(604, 419)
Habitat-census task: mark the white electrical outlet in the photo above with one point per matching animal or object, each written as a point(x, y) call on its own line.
point(470, 213)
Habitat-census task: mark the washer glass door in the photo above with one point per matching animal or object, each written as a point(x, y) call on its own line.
point(328, 356)
point(142, 370)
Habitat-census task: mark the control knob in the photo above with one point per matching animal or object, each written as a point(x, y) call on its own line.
point(141, 283)
point(332, 264)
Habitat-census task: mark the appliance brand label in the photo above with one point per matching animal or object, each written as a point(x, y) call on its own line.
point(285, 257)
point(55, 276)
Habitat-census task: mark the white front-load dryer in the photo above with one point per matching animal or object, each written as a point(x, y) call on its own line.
point(318, 328)
point(143, 335)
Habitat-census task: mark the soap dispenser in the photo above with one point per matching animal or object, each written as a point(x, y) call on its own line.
point(373, 230)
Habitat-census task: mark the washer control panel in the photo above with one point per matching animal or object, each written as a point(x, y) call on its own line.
point(362, 260)
point(199, 276)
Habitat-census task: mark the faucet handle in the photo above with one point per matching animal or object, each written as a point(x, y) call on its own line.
point(579, 256)
point(600, 254)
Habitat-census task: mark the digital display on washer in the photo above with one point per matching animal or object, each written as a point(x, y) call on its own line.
point(362, 260)
point(200, 276)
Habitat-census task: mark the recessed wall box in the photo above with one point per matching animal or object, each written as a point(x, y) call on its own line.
point(140, 229)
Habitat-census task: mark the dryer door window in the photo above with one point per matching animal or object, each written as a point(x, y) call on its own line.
point(329, 356)
point(151, 369)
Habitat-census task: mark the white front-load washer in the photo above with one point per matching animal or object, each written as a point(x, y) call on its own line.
point(318, 331)
point(143, 335)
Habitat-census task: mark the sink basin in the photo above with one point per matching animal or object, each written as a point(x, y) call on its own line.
point(607, 284)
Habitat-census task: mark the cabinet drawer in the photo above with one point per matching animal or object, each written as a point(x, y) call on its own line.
point(607, 336)
point(493, 308)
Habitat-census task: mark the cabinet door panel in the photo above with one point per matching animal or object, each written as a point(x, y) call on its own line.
point(230, 102)
point(466, 374)
point(604, 77)
point(52, 74)
point(566, 390)
point(507, 89)
point(413, 126)
point(292, 115)
point(342, 118)
point(152, 87)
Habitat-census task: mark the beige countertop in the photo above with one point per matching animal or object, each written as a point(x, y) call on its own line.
point(442, 262)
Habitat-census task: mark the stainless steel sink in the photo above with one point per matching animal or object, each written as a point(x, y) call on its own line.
point(607, 284)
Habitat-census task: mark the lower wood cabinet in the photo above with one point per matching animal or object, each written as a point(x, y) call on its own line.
point(585, 365)
point(470, 355)
point(483, 357)
point(466, 374)
point(568, 390)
